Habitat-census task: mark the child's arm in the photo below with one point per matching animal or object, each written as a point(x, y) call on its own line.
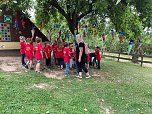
point(46, 55)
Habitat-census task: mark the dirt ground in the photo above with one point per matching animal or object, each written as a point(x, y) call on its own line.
point(13, 64)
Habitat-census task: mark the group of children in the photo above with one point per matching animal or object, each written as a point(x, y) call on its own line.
point(63, 54)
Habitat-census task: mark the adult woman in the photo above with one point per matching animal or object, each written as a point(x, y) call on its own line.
point(81, 57)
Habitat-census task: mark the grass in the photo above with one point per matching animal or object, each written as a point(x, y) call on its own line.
point(125, 89)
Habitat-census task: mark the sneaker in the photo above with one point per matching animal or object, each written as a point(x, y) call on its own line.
point(26, 66)
point(31, 68)
point(80, 77)
point(39, 72)
point(66, 75)
point(88, 77)
point(77, 76)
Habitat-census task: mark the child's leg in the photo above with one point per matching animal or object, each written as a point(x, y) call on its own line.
point(31, 62)
point(61, 63)
point(47, 62)
point(71, 62)
point(38, 65)
point(66, 69)
point(27, 63)
point(76, 67)
point(23, 62)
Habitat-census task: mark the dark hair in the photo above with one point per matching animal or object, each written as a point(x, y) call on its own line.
point(59, 43)
point(65, 44)
point(38, 40)
point(70, 43)
point(98, 47)
point(28, 40)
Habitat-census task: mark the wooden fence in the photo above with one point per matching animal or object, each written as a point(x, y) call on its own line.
point(118, 55)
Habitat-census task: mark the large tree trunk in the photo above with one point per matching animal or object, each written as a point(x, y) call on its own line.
point(135, 55)
point(73, 24)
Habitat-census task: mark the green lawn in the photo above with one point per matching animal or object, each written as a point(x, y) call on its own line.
point(125, 88)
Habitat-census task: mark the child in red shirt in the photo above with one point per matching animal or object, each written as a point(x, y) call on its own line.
point(29, 52)
point(66, 53)
point(59, 56)
point(47, 53)
point(54, 47)
point(71, 54)
point(38, 54)
point(22, 49)
point(98, 56)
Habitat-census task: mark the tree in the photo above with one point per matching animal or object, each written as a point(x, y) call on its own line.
point(71, 10)
point(16, 5)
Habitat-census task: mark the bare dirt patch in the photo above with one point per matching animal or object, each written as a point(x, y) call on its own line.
point(42, 86)
point(10, 64)
point(13, 64)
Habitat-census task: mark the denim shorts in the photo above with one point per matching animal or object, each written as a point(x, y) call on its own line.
point(38, 61)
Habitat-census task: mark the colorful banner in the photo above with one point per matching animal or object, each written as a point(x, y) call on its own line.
point(5, 33)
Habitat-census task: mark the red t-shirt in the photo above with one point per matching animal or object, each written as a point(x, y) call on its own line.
point(88, 57)
point(22, 47)
point(71, 52)
point(66, 53)
point(47, 51)
point(38, 51)
point(59, 52)
point(54, 48)
point(29, 50)
point(98, 55)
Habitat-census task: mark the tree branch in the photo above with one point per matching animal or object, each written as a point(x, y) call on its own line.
point(87, 12)
point(55, 4)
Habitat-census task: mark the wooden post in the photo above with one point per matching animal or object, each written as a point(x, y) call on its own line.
point(119, 56)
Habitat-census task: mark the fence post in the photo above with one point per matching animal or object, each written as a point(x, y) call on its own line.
point(118, 56)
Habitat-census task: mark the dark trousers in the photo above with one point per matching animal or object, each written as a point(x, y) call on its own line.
point(94, 62)
point(48, 61)
point(55, 59)
point(98, 64)
point(22, 59)
point(81, 66)
point(60, 61)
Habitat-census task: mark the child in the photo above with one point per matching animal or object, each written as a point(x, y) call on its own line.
point(54, 47)
point(22, 49)
point(38, 54)
point(29, 52)
point(66, 52)
point(59, 54)
point(47, 53)
point(98, 56)
point(71, 54)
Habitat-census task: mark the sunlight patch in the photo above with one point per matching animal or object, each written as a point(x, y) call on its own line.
point(55, 75)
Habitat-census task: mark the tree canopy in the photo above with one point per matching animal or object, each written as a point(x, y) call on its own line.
point(120, 12)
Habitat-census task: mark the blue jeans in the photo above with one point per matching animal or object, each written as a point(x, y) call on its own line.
point(23, 57)
point(76, 66)
point(66, 69)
